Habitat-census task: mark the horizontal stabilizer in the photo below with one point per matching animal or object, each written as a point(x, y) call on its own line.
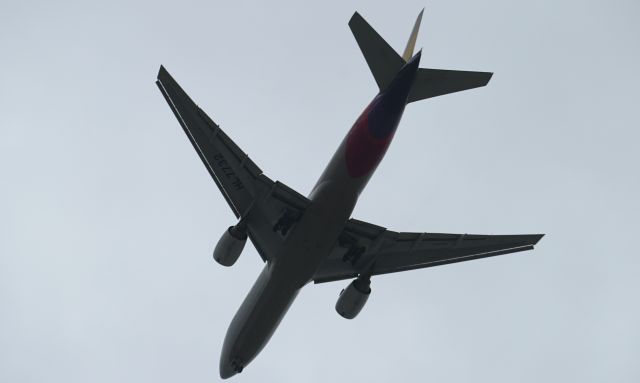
point(437, 82)
point(383, 61)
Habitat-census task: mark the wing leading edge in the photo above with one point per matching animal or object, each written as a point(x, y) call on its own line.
point(251, 195)
point(367, 248)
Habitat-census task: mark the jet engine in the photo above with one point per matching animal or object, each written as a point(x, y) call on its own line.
point(353, 298)
point(230, 245)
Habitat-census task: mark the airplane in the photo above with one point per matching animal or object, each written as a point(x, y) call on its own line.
point(304, 239)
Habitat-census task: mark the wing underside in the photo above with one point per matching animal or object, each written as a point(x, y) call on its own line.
point(367, 248)
point(251, 195)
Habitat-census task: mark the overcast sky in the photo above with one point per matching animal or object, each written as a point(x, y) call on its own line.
point(108, 218)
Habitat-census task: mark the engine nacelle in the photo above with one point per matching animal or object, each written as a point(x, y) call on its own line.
point(230, 246)
point(352, 299)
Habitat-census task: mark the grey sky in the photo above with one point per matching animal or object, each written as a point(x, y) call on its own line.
point(109, 218)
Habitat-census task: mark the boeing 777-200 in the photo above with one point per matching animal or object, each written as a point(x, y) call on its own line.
point(314, 238)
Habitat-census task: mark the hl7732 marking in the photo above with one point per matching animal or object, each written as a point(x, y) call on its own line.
point(228, 172)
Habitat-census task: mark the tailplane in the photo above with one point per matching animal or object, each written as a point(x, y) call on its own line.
point(383, 60)
point(437, 82)
point(385, 63)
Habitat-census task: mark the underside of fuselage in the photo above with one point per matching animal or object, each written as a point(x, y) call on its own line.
point(311, 240)
point(315, 238)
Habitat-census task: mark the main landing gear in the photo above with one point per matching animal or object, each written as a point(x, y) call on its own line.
point(285, 222)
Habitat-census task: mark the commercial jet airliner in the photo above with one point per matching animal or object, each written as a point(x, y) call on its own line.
point(303, 239)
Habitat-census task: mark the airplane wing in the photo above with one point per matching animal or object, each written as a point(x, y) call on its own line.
point(364, 247)
point(250, 194)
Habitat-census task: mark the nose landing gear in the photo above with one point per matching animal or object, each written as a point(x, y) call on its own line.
point(237, 365)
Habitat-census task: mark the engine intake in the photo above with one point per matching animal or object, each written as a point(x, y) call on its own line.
point(230, 246)
point(352, 299)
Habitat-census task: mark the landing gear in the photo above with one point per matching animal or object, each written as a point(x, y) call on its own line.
point(353, 254)
point(354, 250)
point(237, 365)
point(285, 222)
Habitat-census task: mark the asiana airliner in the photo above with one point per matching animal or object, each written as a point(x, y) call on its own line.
point(314, 238)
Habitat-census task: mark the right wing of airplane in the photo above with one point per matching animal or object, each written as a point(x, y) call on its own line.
point(368, 248)
point(251, 195)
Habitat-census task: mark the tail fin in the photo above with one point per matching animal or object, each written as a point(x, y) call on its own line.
point(385, 63)
point(411, 44)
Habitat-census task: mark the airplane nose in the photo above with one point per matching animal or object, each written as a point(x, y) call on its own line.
point(230, 367)
point(226, 370)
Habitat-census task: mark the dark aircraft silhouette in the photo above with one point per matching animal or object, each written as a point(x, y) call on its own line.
point(314, 238)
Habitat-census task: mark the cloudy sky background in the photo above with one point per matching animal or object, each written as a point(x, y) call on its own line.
point(108, 218)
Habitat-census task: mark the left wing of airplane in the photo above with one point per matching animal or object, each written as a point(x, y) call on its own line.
point(262, 203)
point(371, 249)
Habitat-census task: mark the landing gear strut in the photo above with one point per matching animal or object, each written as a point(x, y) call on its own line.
point(363, 283)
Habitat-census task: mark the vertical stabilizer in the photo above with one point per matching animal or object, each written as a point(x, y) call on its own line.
point(411, 44)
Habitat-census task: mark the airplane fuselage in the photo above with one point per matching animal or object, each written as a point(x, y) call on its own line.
point(314, 235)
